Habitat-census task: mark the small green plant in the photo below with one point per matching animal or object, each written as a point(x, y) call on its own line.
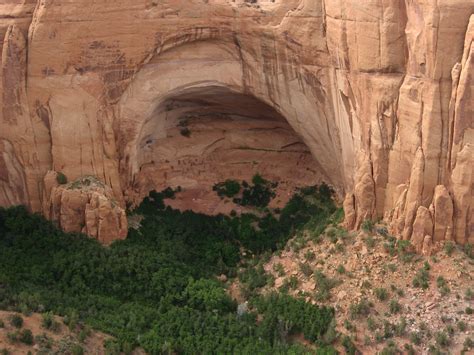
point(341, 269)
point(390, 349)
point(291, 282)
point(469, 310)
point(349, 326)
point(392, 267)
point(469, 294)
point(370, 242)
point(469, 250)
point(400, 327)
point(16, 321)
point(44, 341)
point(362, 308)
point(442, 286)
point(279, 269)
point(26, 337)
point(462, 326)
point(468, 344)
point(409, 349)
point(349, 346)
point(381, 293)
point(306, 269)
point(421, 279)
point(449, 248)
point(415, 338)
point(48, 322)
point(395, 307)
point(388, 329)
point(2, 324)
point(61, 178)
point(371, 324)
point(324, 285)
point(442, 339)
point(309, 255)
point(368, 226)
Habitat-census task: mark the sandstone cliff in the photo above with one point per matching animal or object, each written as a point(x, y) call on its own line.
point(380, 91)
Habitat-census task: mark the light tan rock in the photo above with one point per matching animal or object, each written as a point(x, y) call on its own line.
point(442, 212)
point(87, 206)
point(427, 245)
point(422, 227)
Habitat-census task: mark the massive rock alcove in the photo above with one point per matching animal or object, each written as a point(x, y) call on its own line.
point(379, 92)
point(206, 134)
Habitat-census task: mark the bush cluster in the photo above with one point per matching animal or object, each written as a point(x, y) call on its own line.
point(157, 289)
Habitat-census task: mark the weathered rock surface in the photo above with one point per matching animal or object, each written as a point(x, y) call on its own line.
point(85, 206)
point(379, 91)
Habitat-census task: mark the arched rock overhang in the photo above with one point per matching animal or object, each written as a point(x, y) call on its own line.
point(219, 63)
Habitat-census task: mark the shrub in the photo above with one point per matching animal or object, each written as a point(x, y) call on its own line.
point(309, 255)
point(258, 195)
point(468, 344)
point(48, 322)
point(371, 324)
point(421, 279)
point(228, 188)
point(469, 294)
point(442, 339)
point(469, 250)
point(442, 285)
point(292, 282)
point(349, 346)
point(381, 293)
point(362, 308)
point(279, 269)
point(449, 247)
point(61, 178)
point(395, 307)
point(469, 310)
point(462, 326)
point(324, 285)
point(390, 349)
point(185, 132)
point(44, 341)
point(368, 226)
point(341, 269)
point(16, 321)
point(370, 242)
point(306, 269)
point(415, 338)
point(400, 327)
point(26, 337)
point(2, 324)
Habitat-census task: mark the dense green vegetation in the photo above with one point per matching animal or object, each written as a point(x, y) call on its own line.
point(158, 288)
point(257, 194)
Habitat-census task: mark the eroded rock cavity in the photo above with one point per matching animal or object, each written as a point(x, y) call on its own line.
point(203, 136)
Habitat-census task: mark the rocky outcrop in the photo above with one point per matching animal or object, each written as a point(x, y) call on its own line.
point(85, 206)
point(379, 92)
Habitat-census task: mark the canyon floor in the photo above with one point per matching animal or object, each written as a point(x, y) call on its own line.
point(387, 299)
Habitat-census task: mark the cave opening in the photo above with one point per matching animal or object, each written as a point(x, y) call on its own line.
point(206, 135)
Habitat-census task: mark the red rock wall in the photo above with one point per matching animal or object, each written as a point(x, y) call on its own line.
point(379, 91)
